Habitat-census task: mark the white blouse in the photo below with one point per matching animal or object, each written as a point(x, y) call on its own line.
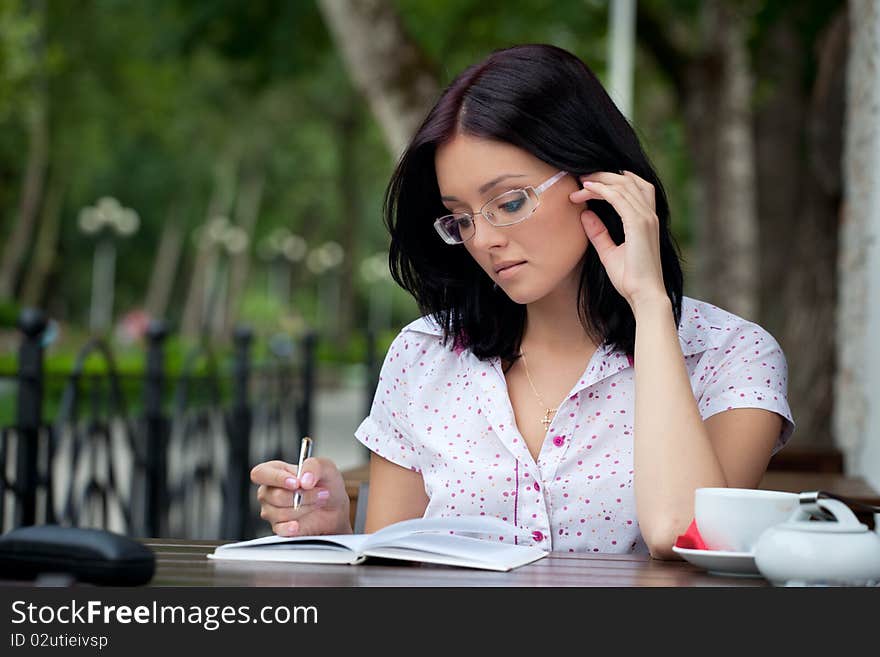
point(446, 414)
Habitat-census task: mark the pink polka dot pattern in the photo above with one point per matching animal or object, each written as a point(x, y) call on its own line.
point(445, 414)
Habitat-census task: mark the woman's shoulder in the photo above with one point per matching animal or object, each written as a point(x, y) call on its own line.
point(704, 326)
point(421, 336)
point(425, 325)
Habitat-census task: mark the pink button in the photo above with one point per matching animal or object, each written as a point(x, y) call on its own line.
point(537, 487)
point(559, 441)
point(538, 536)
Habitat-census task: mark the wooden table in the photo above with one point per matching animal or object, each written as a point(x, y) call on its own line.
point(184, 563)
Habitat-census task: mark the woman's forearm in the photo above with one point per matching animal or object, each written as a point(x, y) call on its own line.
point(672, 452)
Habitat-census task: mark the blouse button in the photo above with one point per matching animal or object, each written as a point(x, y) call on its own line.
point(537, 487)
point(559, 441)
point(538, 536)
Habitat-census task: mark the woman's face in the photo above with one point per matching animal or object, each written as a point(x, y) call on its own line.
point(550, 243)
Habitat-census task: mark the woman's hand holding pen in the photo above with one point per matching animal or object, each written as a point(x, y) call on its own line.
point(324, 508)
point(634, 266)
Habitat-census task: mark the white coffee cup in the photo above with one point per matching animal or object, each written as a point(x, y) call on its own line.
point(732, 519)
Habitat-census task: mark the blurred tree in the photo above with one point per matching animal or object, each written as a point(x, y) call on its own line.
point(385, 63)
point(801, 54)
point(146, 101)
point(165, 264)
point(30, 30)
point(37, 275)
point(857, 412)
point(789, 177)
point(702, 48)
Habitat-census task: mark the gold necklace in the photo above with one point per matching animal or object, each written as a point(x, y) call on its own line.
point(548, 412)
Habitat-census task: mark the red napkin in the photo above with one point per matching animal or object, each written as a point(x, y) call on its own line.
point(691, 539)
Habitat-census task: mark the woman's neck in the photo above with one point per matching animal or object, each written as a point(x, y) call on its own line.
point(553, 326)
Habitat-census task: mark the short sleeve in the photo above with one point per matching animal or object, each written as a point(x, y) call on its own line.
point(383, 431)
point(746, 369)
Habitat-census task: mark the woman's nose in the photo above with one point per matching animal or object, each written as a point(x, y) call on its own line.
point(486, 235)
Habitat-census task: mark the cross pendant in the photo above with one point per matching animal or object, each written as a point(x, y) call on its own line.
point(548, 418)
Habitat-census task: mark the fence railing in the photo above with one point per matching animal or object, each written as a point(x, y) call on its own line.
point(180, 465)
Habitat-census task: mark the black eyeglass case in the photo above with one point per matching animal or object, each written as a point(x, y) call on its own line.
point(94, 556)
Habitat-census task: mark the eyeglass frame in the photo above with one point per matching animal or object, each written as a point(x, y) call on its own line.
point(540, 189)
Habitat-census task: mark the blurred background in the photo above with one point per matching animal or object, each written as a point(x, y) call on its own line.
point(191, 241)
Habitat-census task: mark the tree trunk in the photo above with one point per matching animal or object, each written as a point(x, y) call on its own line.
point(796, 159)
point(47, 241)
point(18, 240)
point(809, 227)
point(385, 63)
point(247, 213)
point(165, 265)
point(346, 132)
point(856, 419)
point(226, 180)
point(719, 119)
point(780, 120)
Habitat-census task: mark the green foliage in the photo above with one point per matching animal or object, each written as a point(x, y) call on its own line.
point(148, 102)
point(9, 312)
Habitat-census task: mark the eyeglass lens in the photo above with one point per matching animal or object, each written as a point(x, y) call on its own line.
point(509, 208)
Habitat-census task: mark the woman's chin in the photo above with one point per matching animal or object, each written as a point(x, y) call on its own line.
point(522, 296)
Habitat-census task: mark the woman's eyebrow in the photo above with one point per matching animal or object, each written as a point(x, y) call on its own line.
point(489, 185)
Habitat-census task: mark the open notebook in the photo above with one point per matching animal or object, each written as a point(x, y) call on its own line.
point(427, 540)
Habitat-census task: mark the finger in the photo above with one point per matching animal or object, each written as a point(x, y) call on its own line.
point(275, 473)
point(274, 496)
point(618, 199)
point(629, 182)
point(585, 193)
point(314, 470)
point(312, 524)
point(582, 195)
point(597, 233)
point(645, 188)
point(286, 528)
point(602, 176)
point(276, 514)
point(282, 497)
point(631, 192)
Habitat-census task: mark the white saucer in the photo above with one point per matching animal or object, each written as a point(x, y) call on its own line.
point(717, 562)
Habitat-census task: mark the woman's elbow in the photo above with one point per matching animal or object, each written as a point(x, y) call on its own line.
point(660, 544)
point(663, 552)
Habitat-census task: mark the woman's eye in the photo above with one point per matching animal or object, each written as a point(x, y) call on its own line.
point(512, 206)
point(464, 222)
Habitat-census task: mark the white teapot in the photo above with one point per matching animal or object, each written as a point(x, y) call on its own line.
point(806, 552)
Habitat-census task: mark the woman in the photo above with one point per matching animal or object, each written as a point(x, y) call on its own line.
point(558, 379)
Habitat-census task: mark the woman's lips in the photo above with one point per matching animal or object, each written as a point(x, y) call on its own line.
point(510, 272)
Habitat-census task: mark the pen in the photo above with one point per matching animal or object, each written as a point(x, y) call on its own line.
point(305, 451)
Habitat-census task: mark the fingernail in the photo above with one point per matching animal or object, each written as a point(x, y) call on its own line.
point(290, 482)
point(308, 479)
point(323, 494)
point(589, 182)
point(293, 528)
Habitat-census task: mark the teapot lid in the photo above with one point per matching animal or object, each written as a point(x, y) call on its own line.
point(821, 527)
point(843, 519)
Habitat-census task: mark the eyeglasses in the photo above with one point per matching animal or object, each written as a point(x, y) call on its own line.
point(504, 210)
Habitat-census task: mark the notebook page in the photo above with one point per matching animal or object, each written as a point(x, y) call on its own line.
point(303, 553)
point(353, 542)
point(485, 525)
point(456, 550)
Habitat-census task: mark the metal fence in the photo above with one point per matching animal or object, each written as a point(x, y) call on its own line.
point(179, 466)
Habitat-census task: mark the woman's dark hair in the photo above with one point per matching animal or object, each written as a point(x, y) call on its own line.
point(546, 101)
